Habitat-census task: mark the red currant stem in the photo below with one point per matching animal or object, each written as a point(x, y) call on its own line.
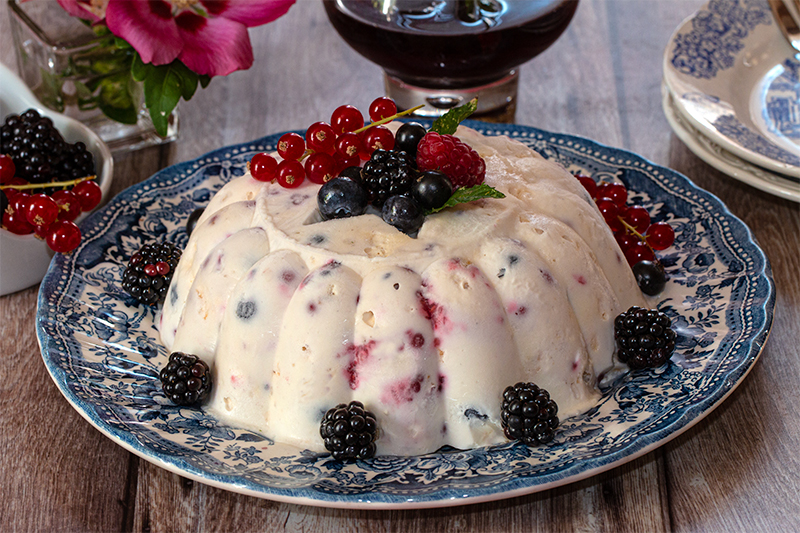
point(638, 235)
point(389, 119)
point(307, 153)
point(47, 185)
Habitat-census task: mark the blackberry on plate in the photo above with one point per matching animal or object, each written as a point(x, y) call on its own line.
point(645, 338)
point(403, 212)
point(349, 431)
point(528, 414)
point(386, 174)
point(341, 197)
point(149, 272)
point(186, 380)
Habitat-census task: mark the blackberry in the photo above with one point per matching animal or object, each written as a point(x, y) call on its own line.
point(349, 431)
point(387, 173)
point(528, 414)
point(645, 338)
point(149, 272)
point(40, 152)
point(3, 204)
point(186, 379)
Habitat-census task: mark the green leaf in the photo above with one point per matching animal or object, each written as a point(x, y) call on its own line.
point(164, 86)
point(464, 195)
point(205, 79)
point(116, 100)
point(448, 123)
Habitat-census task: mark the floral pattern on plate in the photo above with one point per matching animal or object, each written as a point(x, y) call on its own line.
point(102, 349)
point(733, 76)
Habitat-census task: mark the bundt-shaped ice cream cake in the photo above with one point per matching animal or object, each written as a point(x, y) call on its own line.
point(296, 315)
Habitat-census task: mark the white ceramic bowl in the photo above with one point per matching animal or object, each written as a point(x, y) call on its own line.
point(24, 258)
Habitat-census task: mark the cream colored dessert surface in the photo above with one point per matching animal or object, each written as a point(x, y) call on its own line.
point(296, 315)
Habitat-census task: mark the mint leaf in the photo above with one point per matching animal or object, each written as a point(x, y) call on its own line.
point(448, 123)
point(464, 195)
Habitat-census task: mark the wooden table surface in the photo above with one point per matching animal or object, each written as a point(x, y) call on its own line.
point(737, 470)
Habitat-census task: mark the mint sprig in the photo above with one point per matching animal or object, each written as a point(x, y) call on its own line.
point(469, 194)
point(448, 123)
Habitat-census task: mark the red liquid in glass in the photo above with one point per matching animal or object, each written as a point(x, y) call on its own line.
point(442, 45)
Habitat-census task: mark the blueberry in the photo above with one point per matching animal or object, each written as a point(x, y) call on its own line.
point(191, 222)
point(340, 198)
point(650, 276)
point(432, 189)
point(351, 173)
point(408, 137)
point(403, 212)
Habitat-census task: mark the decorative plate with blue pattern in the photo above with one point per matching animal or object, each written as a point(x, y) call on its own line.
point(737, 80)
point(102, 349)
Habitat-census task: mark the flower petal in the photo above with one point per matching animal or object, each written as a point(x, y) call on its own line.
point(213, 46)
point(248, 12)
point(82, 9)
point(148, 26)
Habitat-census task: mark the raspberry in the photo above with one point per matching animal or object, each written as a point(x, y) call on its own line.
point(644, 337)
point(349, 431)
point(528, 414)
point(186, 379)
point(455, 159)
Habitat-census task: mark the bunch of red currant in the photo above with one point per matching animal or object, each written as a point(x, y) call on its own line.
point(633, 231)
point(48, 216)
point(328, 147)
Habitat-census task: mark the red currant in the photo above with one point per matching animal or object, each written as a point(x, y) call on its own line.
point(588, 184)
point(347, 144)
point(64, 236)
point(638, 217)
point(617, 192)
point(660, 236)
point(320, 137)
point(626, 241)
point(610, 212)
point(41, 232)
point(376, 138)
point(41, 210)
point(68, 204)
point(7, 169)
point(263, 167)
point(381, 108)
point(18, 201)
point(291, 146)
point(88, 193)
point(320, 167)
point(16, 223)
point(344, 162)
point(290, 173)
point(639, 252)
point(346, 118)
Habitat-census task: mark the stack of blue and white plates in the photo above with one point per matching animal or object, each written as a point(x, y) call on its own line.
point(732, 94)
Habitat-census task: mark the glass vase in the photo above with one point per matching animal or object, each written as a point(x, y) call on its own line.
point(83, 72)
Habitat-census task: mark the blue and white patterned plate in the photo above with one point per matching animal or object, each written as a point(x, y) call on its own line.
point(736, 79)
point(102, 350)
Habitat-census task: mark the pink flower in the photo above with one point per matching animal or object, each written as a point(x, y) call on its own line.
point(93, 10)
point(208, 36)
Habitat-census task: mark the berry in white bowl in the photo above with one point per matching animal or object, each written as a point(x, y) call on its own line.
point(24, 259)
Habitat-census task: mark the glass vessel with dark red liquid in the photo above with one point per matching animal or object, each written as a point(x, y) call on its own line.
point(443, 53)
